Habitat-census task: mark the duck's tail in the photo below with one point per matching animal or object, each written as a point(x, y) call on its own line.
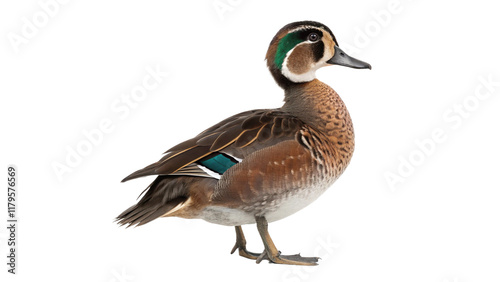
point(161, 196)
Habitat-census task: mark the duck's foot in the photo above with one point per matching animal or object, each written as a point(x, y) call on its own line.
point(288, 259)
point(272, 254)
point(240, 245)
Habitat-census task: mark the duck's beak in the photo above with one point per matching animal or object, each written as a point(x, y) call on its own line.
point(342, 59)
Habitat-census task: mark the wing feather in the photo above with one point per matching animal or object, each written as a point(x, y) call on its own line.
point(247, 137)
point(226, 138)
point(239, 135)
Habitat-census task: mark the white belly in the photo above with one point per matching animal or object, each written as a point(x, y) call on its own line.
point(272, 210)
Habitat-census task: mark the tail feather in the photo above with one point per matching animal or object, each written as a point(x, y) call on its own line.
point(159, 212)
point(139, 214)
point(149, 170)
point(164, 194)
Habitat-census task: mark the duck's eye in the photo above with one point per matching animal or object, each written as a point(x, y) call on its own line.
point(313, 37)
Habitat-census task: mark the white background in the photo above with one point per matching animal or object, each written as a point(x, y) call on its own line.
point(439, 222)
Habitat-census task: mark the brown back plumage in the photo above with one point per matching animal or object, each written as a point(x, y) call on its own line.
point(237, 132)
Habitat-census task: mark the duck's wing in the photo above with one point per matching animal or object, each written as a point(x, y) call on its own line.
point(219, 147)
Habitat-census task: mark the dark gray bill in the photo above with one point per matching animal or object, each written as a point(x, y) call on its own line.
point(342, 59)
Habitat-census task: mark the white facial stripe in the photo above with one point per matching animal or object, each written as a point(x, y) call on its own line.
point(303, 77)
point(307, 76)
point(311, 74)
point(304, 27)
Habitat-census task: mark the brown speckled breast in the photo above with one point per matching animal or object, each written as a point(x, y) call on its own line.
point(282, 179)
point(320, 107)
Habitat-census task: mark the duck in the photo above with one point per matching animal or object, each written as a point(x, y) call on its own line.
point(263, 165)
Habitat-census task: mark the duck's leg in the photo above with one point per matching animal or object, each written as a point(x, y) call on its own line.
point(272, 254)
point(241, 244)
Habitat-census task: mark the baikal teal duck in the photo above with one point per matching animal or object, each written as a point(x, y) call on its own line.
point(261, 166)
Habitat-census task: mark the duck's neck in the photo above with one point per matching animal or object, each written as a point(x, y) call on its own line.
point(319, 106)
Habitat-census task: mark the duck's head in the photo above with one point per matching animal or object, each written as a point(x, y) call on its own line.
point(300, 48)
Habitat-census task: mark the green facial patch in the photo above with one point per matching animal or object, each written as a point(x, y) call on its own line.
point(287, 43)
